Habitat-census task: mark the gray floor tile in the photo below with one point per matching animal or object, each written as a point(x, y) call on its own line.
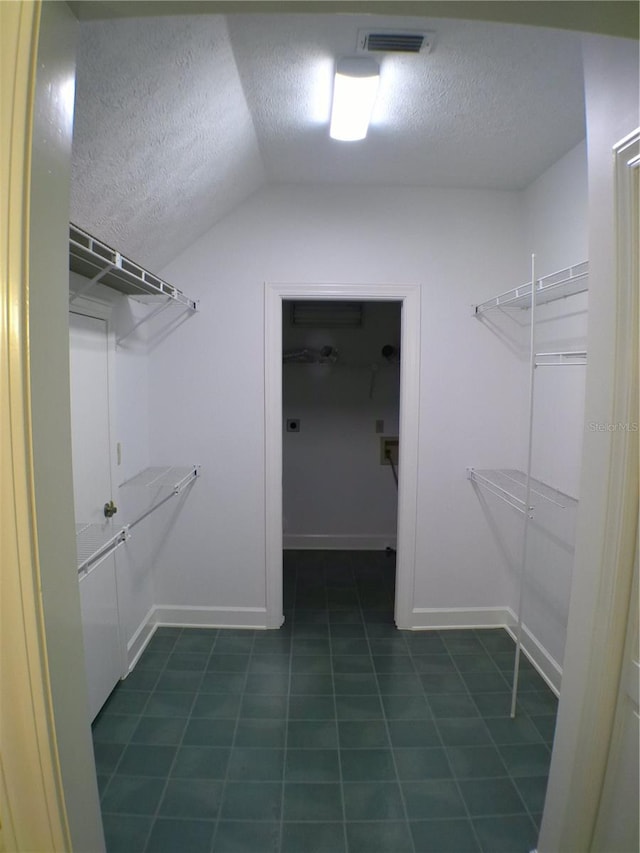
point(312, 801)
point(252, 801)
point(170, 834)
point(444, 836)
point(373, 801)
point(247, 837)
point(192, 798)
point(379, 837)
point(237, 725)
point(256, 764)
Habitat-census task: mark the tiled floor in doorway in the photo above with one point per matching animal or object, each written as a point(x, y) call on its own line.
point(335, 734)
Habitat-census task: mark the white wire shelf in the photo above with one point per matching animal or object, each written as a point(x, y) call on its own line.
point(561, 359)
point(96, 541)
point(150, 489)
point(154, 486)
point(557, 285)
point(101, 264)
point(510, 485)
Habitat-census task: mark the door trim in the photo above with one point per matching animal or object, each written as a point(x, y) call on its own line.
point(409, 297)
point(99, 309)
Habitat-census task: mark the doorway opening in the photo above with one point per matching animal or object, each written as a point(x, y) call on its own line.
point(322, 354)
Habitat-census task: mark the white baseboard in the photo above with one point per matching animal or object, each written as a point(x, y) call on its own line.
point(138, 643)
point(536, 653)
point(210, 617)
point(338, 542)
point(425, 619)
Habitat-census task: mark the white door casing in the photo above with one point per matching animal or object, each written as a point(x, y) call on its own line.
point(90, 347)
point(409, 296)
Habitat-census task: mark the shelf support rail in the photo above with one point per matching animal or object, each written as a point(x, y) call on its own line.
point(527, 515)
point(95, 280)
point(177, 488)
point(157, 310)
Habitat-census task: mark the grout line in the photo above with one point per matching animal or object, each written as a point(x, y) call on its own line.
point(337, 730)
point(286, 722)
point(388, 731)
point(522, 714)
point(451, 657)
point(233, 739)
point(180, 743)
point(129, 742)
point(445, 749)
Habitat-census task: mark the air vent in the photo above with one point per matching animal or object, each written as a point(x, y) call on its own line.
point(393, 41)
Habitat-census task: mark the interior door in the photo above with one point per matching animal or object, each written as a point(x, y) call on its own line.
point(89, 372)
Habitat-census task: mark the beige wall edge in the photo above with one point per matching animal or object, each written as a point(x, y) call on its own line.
point(32, 802)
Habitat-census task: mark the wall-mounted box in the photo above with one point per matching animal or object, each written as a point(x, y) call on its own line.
point(389, 450)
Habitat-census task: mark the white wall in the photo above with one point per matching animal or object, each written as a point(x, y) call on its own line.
point(336, 493)
point(207, 379)
point(206, 397)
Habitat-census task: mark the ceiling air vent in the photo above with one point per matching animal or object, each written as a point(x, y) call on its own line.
point(394, 41)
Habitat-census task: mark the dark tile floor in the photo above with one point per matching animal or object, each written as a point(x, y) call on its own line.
point(336, 733)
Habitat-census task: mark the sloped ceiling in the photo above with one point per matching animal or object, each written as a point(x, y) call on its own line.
point(179, 119)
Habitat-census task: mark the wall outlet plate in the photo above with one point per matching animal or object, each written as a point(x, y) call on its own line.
point(389, 448)
point(293, 424)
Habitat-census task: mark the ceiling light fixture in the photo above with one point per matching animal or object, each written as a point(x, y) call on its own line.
point(354, 94)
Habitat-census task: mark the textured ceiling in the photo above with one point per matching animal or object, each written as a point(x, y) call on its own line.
point(178, 119)
point(163, 141)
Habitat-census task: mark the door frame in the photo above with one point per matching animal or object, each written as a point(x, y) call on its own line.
point(409, 297)
point(102, 309)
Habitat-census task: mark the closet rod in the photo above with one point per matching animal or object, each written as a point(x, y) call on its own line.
point(104, 551)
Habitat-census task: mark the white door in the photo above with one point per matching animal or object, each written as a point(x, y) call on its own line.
point(89, 371)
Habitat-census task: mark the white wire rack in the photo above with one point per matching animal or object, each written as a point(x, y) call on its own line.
point(101, 264)
point(557, 285)
point(94, 542)
point(155, 486)
point(518, 488)
point(510, 486)
point(561, 359)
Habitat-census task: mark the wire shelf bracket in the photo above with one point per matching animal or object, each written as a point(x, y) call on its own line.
point(101, 264)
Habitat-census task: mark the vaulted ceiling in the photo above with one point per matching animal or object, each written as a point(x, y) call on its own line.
point(180, 119)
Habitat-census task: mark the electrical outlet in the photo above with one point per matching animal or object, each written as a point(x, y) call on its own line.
point(293, 425)
point(389, 450)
